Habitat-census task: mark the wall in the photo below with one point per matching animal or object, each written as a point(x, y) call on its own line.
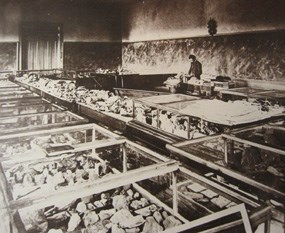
point(162, 19)
point(79, 55)
point(92, 31)
point(253, 56)
point(8, 56)
point(159, 35)
point(10, 15)
point(168, 19)
point(84, 22)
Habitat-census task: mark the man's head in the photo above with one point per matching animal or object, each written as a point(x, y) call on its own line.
point(192, 57)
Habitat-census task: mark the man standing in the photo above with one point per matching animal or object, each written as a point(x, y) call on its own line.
point(195, 67)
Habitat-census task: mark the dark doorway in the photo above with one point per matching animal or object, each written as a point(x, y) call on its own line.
point(42, 46)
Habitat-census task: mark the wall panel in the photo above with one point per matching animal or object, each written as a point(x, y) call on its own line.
point(251, 55)
point(8, 56)
point(83, 55)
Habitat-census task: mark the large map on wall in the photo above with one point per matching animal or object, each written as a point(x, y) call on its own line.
point(253, 56)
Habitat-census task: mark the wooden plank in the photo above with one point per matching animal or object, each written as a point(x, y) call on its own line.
point(106, 131)
point(230, 225)
point(25, 94)
point(262, 93)
point(226, 151)
point(5, 193)
point(57, 100)
point(24, 102)
point(42, 70)
point(17, 224)
point(201, 221)
point(12, 88)
point(247, 142)
point(13, 93)
point(175, 193)
point(245, 219)
point(29, 114)
point(169, 99)
point(42, 127)
point(5, 225)
point(159, 107)
point(125, 159)
point(98, 186)
point(17, 98)
point(53, 131)
point(8, 85)
point(276, 127)
point(137, 93)
point(263, 84)
point(40, 114)
point(92, 112)
point(194, 141)
point(34, 105)
point(153, 132)
point(114, 121)
point(242, 91)
point(267, 228)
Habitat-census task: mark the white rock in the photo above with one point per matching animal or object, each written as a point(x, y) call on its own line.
point(120, 202)
point(55, 231)
point(116, 229)
point(121, 215)
point(170, 222)
point(81, 207)
point(73, 222)
point(146, 211)
point(90, 218)
point(151, 226)
point(132, 222)
point(104, 214)
point(157, 217)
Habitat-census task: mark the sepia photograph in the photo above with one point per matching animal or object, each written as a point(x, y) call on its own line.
point(129, 116)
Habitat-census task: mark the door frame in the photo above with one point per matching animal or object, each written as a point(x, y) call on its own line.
point(36, 25)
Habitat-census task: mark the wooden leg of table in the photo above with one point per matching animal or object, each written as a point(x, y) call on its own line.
point(175, 195)
point(125, 168)
point(93, 138)
point(226, 150)
point(267, 226)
